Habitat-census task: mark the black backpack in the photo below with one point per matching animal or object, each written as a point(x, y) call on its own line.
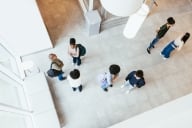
point(52, 72)
point(140, 83)
point(82, 49)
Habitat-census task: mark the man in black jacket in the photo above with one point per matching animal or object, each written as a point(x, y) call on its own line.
point(134, 79)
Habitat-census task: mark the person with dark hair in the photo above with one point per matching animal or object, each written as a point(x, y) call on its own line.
point(75, 80)
point(74, 51)
point(175, 44)
point(134, 79)
point(106, 79)
point(161, 32)
point(57, 65)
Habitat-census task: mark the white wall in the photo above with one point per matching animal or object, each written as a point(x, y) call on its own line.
point(22, 27)
point(175, 114)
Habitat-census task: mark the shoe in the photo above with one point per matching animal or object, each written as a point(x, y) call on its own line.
point(105, 89)
point(110, 85)
point(122, 86)
point(148, 50)
point(77, 66)
point(74, 89)
point(164, 58)
point(73, 64)
point(64, 78)
point(153, 46)
point(80, 88)
point(128, 91)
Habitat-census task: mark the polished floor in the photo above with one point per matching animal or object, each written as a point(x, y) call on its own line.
point(166, 80)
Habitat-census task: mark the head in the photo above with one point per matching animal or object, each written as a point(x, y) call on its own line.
point(72, 42)
point(52, 56)
point(185, 37)
point(170, 21)
point(75, 74)
point(139, 73)
point(114, 69)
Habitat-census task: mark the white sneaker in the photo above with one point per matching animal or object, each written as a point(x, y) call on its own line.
point(122, 86)
point(128, 91)
point(77, 67)
point(73, 64)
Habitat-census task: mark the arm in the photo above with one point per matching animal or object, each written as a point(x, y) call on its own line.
point(157, 30)
point(69, 51)
point(179, 47)
point(77, 51)
point(179, 43)
point(130, 75)
point(140, 83)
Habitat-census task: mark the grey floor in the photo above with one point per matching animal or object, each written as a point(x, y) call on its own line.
point(166, 80)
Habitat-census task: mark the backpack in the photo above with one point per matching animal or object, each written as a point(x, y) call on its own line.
point(82, 49)
point(140, 83)
point(52, 72)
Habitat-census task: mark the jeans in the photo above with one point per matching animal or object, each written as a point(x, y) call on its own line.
point(60, 76)
point(130, 87)
point(77, 60)
point(155, 40)
point(168, 49)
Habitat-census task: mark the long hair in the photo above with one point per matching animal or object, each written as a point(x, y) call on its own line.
point(185, 37)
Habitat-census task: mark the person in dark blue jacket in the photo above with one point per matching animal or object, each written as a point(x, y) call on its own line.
point(134, 79)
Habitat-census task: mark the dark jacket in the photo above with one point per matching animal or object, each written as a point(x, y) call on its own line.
point(162, 31)
point(133, 81)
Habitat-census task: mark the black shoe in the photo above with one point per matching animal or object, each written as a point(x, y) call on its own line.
point(80, 88)
point(153, 46)
point(74, 89)
point(105, 89)
point(110, 85)
point(63, 78)
point(148, 50)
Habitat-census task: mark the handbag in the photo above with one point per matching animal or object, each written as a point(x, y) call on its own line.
point(52, 72)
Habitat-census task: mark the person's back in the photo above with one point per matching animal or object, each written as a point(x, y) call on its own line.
point(160, 33)
point(57, 65)
point(134, 79)
point(106, 79)
point(75, 80)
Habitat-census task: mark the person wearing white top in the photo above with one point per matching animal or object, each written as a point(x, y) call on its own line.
point(175, 44)
point(75, 80)
point(73, 51)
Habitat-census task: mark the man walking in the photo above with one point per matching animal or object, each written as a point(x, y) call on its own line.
point(161, 32)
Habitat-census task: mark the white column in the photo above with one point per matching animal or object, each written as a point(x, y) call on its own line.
point(91, 5)
point(82, 4)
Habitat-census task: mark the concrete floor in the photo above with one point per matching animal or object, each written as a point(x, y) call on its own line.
point(166, 80)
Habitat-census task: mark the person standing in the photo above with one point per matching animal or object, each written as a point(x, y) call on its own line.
point(74, 51)
point(134, 79)
point(106, 79)
point(175, 44)
point(57, 65)
point(75, 80)
point(160, 33)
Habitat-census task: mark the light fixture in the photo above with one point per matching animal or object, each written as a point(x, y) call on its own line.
point(121, 7)
point(137, 11)
point(135, 21)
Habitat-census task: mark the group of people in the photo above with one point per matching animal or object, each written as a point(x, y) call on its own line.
point(106, 79)
point(132, 80)
point(175, 44)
